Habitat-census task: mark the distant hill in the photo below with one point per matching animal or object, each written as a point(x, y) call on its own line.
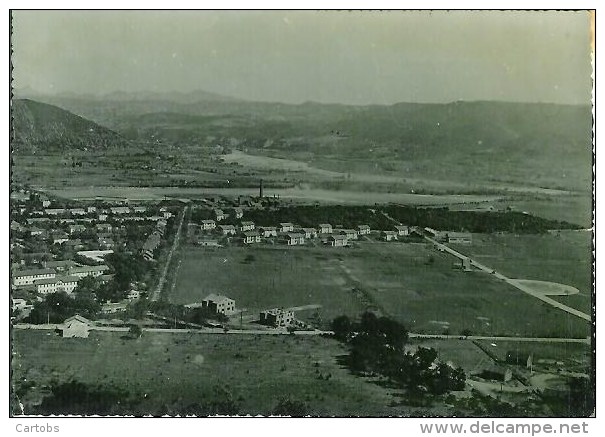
point(44, 127)
point(526, 143)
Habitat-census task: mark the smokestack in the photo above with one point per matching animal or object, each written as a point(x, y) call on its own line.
point(261, 189)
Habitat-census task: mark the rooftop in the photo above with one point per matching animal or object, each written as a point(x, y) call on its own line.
point(63, 279)
point(33, 272)
point(216, 298)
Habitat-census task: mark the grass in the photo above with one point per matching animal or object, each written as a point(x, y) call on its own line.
point(573, 354)
point(564, 258)
point(435, 297)
point(176, 370)
point(265, 277)
point(396, 278)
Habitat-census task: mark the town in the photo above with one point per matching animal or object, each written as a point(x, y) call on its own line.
point(147, 267)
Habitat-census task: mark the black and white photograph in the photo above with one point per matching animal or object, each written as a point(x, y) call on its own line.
point(302, 213)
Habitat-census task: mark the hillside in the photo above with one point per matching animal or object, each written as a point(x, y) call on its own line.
point(42, 127)
point(543, 145)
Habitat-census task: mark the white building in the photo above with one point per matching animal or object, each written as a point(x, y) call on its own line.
point(83, 271)
point(76, 326)
point(27, 277)
point(66, 284)
point(325, 228)
point(208, 225)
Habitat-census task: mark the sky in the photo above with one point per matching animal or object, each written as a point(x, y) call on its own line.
point(296, 56)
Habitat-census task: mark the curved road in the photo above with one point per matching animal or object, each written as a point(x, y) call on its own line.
point(512, 282)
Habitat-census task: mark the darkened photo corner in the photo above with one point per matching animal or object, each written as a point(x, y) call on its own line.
point(302, 213)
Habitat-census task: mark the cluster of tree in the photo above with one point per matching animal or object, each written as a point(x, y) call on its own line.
point(377, 345)
point(127, 268)
point(474, 221)
point(56, 307)
point(313, 215)
point(74, 397)
point(437, 218)
point(176, 312)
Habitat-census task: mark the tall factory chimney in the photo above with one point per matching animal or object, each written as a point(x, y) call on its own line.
point(261, 189)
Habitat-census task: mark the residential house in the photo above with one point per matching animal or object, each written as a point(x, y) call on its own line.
point(139, 209)
point(102, 217)
point(91, 209)
point(268, 231)
point(133, 295)
point(389, 235)
point(150, 245)
point(59, 237)
point(337, 240)
point(83, 271)
point(351, 234)
point(103, 227)
point(105, 243)
point(459, 237)
point(55, 211)
point(75, 327)
point(286, 227)
point(219, 304)
point(402, 231)
point(16, 226)
point(65, 284)
point(249, 237)
point(309, 232)
point(239, 213)
point(438, 235)
point(120, 210)
point(363, 229)
point(325, 228)
point(36, 231)
point(205, 240)
point(208, 225)
point(77, 211)
point(246, 226)
point(74, 244)
point(46, 203)
point(27, 277)
point(227, 229)
point(59, 265)
point(76, 228)
point(293, 239)
point(277, 317)
point(219, 215)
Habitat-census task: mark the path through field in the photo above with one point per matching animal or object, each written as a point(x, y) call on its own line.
point(519, 284)
point(175, 244)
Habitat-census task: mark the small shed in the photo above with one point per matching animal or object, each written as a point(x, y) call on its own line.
point(75, 326)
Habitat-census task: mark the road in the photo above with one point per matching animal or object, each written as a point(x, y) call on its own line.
point(512, 282)
point(283, 331)
point(175, 244)
point(500, 338)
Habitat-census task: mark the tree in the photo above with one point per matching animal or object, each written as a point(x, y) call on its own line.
point(341, 326)
point(135, 331)
point(88, 284)
point(56, 307)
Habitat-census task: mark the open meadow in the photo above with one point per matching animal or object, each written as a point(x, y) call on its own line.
point(564, 257)
point(410, 282)
point(165, 373)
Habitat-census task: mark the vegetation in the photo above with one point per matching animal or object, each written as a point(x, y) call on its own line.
point(56, 307)
point(377, 345)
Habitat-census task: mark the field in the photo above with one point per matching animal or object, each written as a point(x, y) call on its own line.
point(170, 371)
point(266, 277)
point(410, 282)
point(564, 258)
